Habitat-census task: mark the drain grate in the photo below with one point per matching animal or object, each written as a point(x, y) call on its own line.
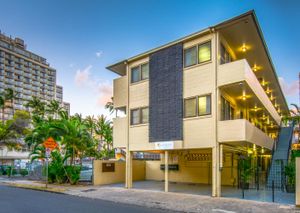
point(89, 190)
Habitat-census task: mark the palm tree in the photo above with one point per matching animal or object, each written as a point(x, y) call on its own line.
point(294, 117)
point(54, 108)
point(37, 106)
point(110, 105)
point(74, 136)
point(90, 123)
point(8, 96)
point(103, 129)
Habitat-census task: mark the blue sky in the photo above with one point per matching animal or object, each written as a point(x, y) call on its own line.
point(80, 38)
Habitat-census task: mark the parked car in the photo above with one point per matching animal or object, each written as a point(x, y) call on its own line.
point(86, 173)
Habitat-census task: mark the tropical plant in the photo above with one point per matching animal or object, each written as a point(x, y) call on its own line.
point(246, 170)
point(23, 172)
point(7, 96)
point(37, 106)
point(73, 173)
point(293, 117)
point(54, 109)
point(103, 129)
point(110, 105)
point(13, 131)
point(90, 124)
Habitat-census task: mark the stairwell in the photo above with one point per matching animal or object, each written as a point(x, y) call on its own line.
point(280, 158)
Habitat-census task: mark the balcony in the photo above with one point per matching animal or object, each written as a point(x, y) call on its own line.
point(120, 92)
point(12, 154)
point(239, 72)
point(242, 132)
point(120, 132)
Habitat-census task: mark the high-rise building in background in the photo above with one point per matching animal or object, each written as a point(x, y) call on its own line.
point(28, 74)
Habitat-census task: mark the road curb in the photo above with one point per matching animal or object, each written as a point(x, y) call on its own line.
point(37, 188)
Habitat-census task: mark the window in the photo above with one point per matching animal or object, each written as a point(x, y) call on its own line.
point(197, 54)
point(227, 111)
point(190, 109)
point(225, 56)
point(190, 56)
point(135, 74)
point(145, 71)
point(204, 105)
point(197, 106)
point(204, 52)
point(140, 73)
point(145, 115)
point(139, 116)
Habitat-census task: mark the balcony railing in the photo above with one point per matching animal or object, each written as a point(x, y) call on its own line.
point(240, 71)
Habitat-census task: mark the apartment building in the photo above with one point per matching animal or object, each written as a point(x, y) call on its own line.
point(201, 101)
point(59, 98)
point(29, 75)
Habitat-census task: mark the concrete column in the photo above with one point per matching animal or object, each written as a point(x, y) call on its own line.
point(297, 181)
point(216, 173)
point(128, 176)
point(166, 171)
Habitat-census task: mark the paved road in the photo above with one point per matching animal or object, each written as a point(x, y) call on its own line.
point(16, 200)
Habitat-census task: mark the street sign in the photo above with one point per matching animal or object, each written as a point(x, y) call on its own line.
point(50, 143)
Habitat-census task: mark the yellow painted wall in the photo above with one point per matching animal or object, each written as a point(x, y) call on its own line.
point(193, 171)
point(103, 178)
point(189, 171)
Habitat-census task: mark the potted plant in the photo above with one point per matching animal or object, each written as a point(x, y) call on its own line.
point(290, 174)
point(246, 171)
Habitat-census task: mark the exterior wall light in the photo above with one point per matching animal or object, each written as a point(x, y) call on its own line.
point(255, 68)
point(262, 150)
point(268, 90)
point(244, 48)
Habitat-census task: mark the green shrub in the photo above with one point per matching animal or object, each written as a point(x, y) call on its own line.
point(23, 172)
point(9, 172)
point(56, 171)
point(73, 174)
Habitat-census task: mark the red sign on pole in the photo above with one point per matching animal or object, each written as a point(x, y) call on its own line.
point(50, 143)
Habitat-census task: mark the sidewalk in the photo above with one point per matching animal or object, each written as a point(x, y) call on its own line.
point(162, 200)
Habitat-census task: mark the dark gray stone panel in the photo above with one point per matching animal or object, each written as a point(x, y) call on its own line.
point(166, 91)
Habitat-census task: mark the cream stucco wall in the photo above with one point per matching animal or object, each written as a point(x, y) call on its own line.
point(120, 132)
point(120, 91)
point(242, 130)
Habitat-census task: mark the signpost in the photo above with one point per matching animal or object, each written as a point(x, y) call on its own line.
point(49, 145)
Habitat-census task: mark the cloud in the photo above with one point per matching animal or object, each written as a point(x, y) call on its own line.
point(99, 54)
point(105, 90)
point(82, 77)
point(289, 89)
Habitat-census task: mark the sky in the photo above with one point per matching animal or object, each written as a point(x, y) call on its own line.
point(79, 38)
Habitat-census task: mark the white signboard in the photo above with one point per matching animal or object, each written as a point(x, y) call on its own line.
point(164, 145)
point(48, 152)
